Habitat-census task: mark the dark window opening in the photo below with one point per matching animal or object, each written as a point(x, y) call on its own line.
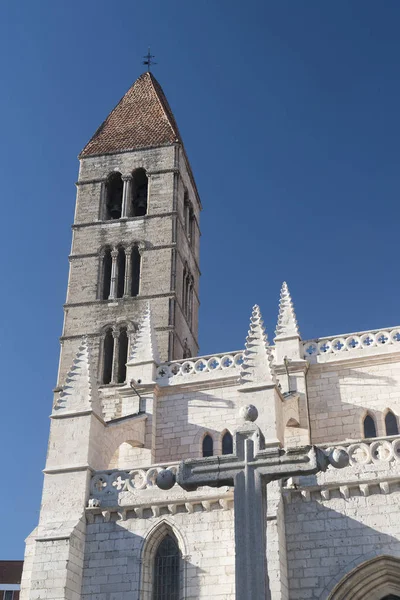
point(191, 227)
point(122, 355)
point(391, 424)
point(208, 445)
point(135, 266)
point(140, 185)
point(114, 190)
point(166, 570)
point(108, 350)
point(107, 265)
point(227, 443)
point(369, 427)
point(120, 272)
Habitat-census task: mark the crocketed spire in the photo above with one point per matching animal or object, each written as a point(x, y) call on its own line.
point(287, 323)
point(145, 348)
point(80, 389)
point(257, 367)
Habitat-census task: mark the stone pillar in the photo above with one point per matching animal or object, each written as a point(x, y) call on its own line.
point(126, 195)
point(115, 355)
point(114, 256)
point(103, 200)
point(128, 272)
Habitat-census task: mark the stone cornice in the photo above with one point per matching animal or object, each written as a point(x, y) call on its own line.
point(115, 222)
point(72, 414)
point(151, 509)
point(344, 489)
point(118, 301)
point(355, 361)
point(129, 151)
point(67, 469)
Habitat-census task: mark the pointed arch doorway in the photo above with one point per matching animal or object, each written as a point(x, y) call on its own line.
point(375, 579)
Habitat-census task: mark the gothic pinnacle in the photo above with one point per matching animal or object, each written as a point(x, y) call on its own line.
point(287, 323)
point(257, 367)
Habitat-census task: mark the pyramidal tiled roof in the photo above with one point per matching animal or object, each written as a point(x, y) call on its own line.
point(141, 119)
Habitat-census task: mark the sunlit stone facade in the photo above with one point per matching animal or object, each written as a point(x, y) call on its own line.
point(133, 397)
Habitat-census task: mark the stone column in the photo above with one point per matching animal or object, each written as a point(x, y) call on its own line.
point(103, 200)
point(126, 195)
point(128, 272)
point(115, 355)
point(114, 256)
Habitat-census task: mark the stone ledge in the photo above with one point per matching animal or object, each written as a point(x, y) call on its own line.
point(157, 509)
point(344, 491)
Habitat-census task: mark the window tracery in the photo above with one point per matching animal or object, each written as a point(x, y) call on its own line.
point(166, 570)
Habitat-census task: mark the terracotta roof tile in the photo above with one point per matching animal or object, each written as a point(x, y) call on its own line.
point(141, 119)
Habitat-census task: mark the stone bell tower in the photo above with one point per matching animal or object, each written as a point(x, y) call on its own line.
point(135, 237)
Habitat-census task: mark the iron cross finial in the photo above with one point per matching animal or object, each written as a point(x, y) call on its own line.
point(149, 60)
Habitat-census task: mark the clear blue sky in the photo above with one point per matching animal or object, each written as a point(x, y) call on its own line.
point(290, 115)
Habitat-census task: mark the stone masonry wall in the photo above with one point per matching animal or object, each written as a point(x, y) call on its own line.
point(341, 394)
point(326, 540)
point(112, 565)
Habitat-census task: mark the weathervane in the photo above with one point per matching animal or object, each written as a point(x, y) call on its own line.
point(149, 60)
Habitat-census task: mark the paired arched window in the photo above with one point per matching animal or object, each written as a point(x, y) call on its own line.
point(166, 584)
point(126, 196)
point(227, 443)
point(120, 273)
point(114, 192)
point(369, 427)
point(391, 424)
point(208, 445)
point(115, 355)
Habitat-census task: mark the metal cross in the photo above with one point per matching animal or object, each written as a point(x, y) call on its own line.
point(149, 60)
point(249, 469)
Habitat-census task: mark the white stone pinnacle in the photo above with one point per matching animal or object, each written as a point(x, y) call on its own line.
point(145, 348)
point(80, 388)
point(257, 367)
point(287, 323)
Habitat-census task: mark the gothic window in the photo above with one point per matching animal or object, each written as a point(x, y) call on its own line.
point(135, 271)
point(208, 445)
point(369, 427)
point(189, 219)
point(108, 355)
point(391, 424)
point(120, 272)
point(166, 570)
point(114, 191)
point(122, 354)
point(227, 443)
point(187, 295)
point(106, 274)
point(140, 185)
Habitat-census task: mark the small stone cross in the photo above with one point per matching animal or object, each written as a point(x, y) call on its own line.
point(249, 469)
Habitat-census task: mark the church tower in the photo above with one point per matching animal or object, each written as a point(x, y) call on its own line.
point(135, 237)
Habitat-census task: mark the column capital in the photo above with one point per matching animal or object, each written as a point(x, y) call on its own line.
point(115, 331)
point(141, 246)
point(114, 252)
point(126, 177)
